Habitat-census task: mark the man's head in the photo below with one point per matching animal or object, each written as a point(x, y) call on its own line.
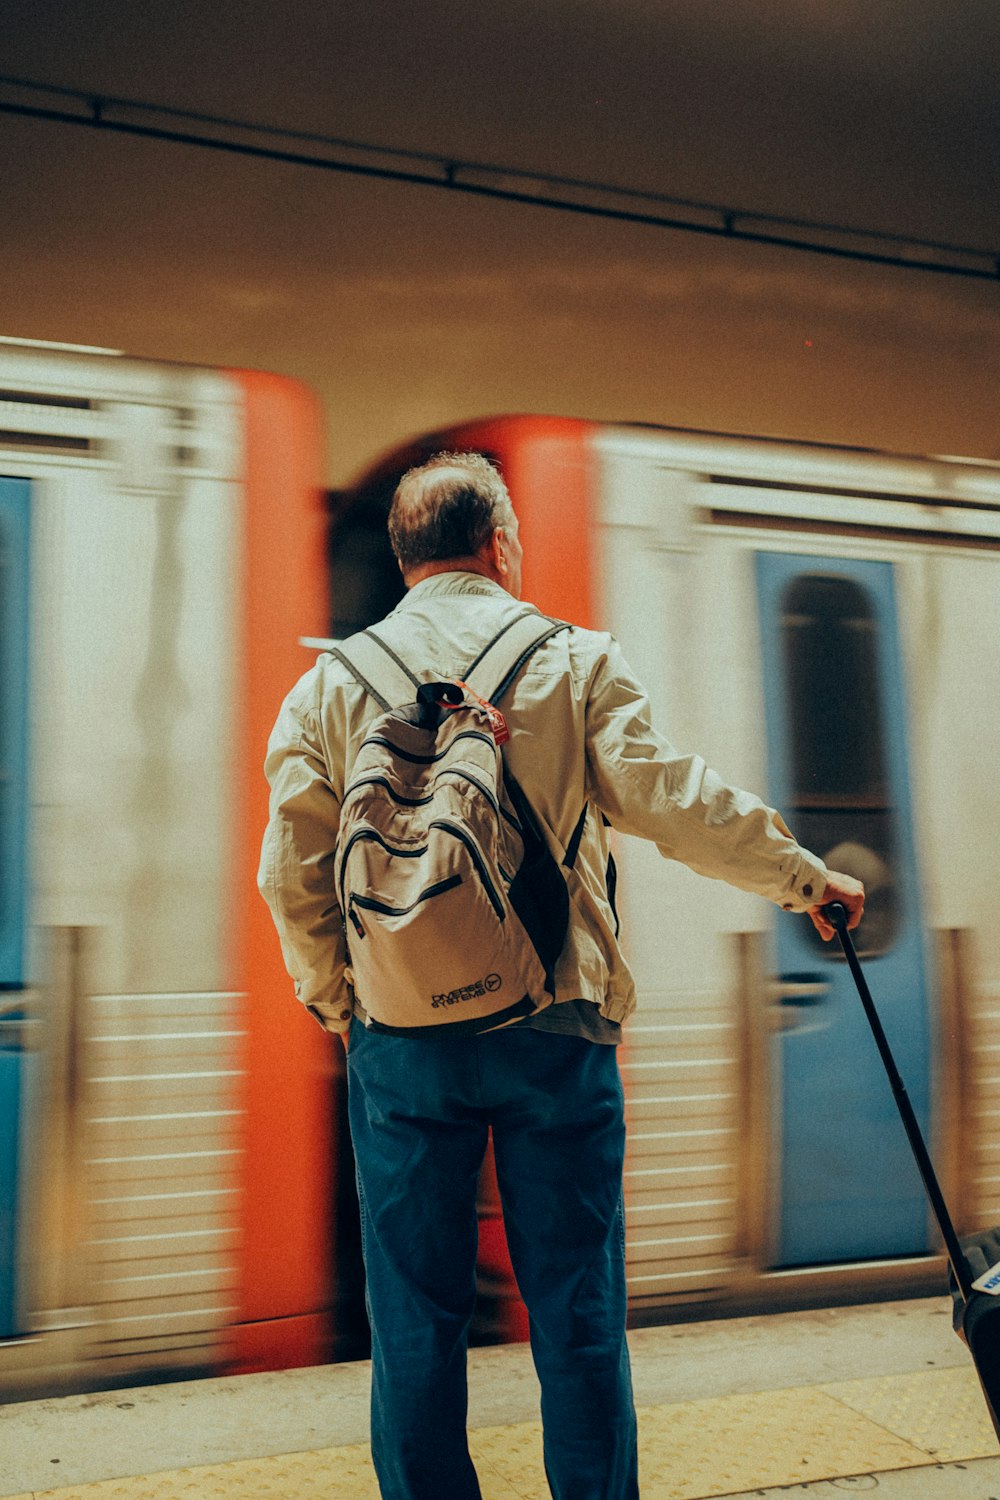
point(452, 514)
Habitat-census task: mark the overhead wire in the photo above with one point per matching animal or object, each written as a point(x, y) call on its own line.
point(131, 117)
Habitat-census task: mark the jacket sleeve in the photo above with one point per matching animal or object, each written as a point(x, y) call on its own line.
point(646, 787)
point(296, 867)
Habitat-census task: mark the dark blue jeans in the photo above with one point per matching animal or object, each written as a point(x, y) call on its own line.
point(420, 1112)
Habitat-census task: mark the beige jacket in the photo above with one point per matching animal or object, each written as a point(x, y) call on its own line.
point(581, 734)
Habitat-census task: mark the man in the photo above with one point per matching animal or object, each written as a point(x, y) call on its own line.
point(584, 750)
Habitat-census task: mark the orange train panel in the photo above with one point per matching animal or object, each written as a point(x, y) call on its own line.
point(288, 1177)
point(548, 465)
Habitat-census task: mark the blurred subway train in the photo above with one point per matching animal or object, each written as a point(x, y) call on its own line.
point(823, 624)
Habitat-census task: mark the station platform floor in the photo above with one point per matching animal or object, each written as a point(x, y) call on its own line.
point(870, 1399)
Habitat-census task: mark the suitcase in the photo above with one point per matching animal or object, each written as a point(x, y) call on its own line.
point(974, 1261)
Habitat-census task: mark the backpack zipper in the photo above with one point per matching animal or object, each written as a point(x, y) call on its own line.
point(371, 903)
point(433, 890)
point(477, 860)
point(428, 760)
point(474, 780)
point(371, 835)
point(376, 780)
point(501, 812)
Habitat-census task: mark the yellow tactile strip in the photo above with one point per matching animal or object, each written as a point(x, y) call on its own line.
point(721, 1446)
point(941, 1411)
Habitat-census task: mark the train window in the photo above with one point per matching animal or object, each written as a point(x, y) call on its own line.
point(12, 711)
point(6, 775)
point(841, 800)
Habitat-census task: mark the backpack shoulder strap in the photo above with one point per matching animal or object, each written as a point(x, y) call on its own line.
point(502, 658)
point(375, 666)
point(387, 679)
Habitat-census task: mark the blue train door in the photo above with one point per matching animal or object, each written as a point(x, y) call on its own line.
point(14, 516)
point(845, 1183)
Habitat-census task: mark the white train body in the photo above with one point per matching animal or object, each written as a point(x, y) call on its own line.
point(139, 609)
point(681, 519)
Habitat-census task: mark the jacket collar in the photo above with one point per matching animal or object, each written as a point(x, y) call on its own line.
point(454, 582)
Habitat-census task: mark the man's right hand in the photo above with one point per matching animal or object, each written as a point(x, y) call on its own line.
point(849, 892)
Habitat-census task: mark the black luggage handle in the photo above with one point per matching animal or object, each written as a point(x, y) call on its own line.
point(837, 915)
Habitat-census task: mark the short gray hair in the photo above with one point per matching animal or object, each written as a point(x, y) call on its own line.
point(447, 508)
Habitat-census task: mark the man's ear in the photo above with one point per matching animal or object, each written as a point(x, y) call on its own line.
point(497, 550)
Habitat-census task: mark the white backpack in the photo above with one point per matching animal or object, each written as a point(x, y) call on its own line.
point(454, 909)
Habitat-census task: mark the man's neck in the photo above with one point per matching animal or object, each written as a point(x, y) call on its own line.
point(451, 565)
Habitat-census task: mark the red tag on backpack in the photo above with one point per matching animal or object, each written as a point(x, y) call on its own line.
point(498, 724)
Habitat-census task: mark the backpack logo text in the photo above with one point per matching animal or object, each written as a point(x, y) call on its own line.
point(473, 991)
